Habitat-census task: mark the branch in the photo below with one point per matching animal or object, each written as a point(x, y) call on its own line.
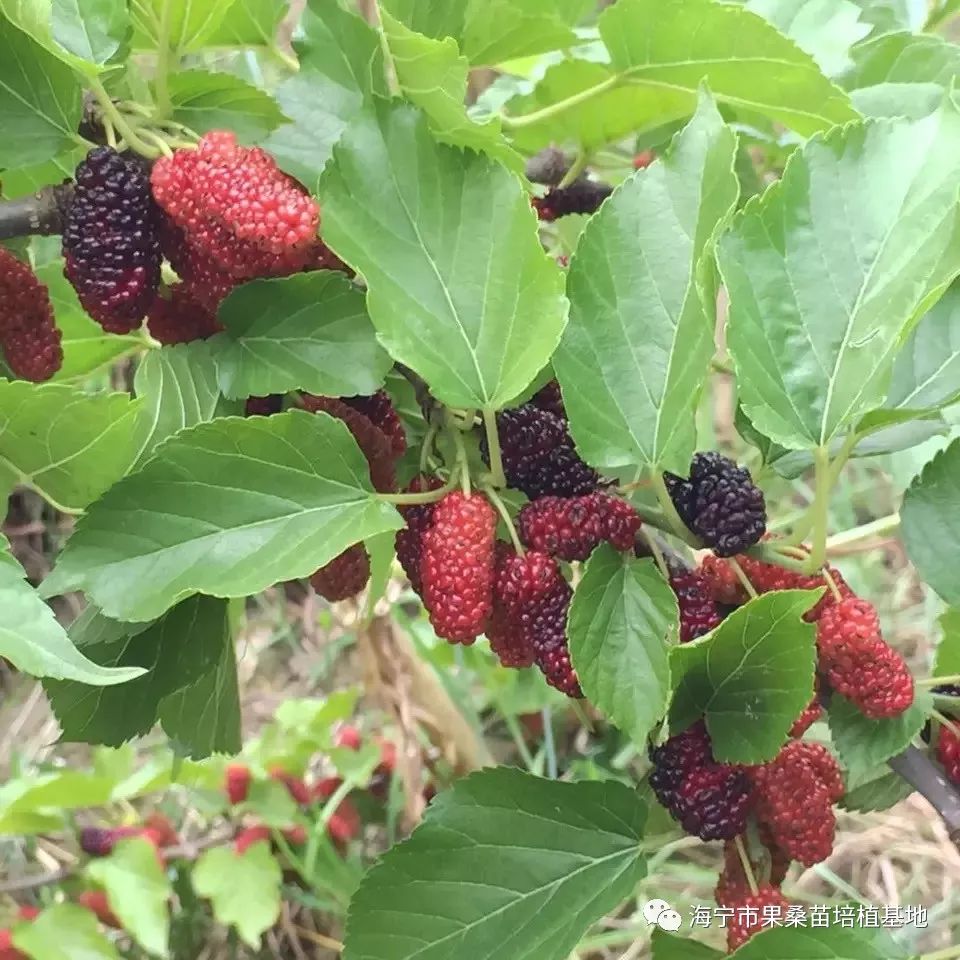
point(40, 213)
point(917, 769)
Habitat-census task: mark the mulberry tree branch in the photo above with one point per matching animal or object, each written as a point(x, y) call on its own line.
point(39, 214)
point(916, 768)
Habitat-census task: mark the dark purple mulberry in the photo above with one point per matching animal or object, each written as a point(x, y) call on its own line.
point(344, 576)
point(719, 503)
point(111, 241)
point(699, 613)
point(713, 802)
point(549, 398)
point(538, 455)
point(583, 196)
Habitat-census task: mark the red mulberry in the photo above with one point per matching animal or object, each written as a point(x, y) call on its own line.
point(237, 782)
point(858, 664)
point(948, 753)
point(409, 541)
point(28, 334)
point(719, 503)
point(753, 912)
point(344, 576)
point(263, 406)
point(571, 528)
point(456, 566)
point(379, 410)
point(180, 318)
point(111, 240)
point(699, 613)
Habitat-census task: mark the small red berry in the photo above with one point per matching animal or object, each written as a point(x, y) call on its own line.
point(699, 613)
point(97, 903)
point(28, 334)
point(570, 528)
point(409, 541)
point(247, 837)
point(297, 789)
point(238, 780)
point(753, 912)
point(344, 576)
point(948, 753)
point(348, 737)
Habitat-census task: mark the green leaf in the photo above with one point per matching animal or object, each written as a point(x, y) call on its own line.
point(40, 101)
point(64, 932)
point(622, 622)
point(432, 18)
point(307, 332)
point(226, 508)
point(341, 65)
point(204, 718)
point(636, 351)
point(887, 16)
point(901, 74)
point(747, 63)
point(749, 678)
point(86, 348)
point(65, 789)
point(32, 639)
point(92, 30)
point(244, 888)
point(433, 75)
point(820, 943)
point(667, 946)
point(470, 302)
point(218, 101)
point(190, 25)
point(508, 866)
point(863, 743)
point(930, 523)
point(926, 372)
point(30, 179)
point(251, 23)
point(880, 789)
point(947, 659)
point(830, 265)
point(68, 445)
point(178, 386)
point(826, 29)
point(138, 890)
point(176, 651)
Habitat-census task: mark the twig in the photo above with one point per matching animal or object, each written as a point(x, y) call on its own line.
point(40, 213)
point(917, 769)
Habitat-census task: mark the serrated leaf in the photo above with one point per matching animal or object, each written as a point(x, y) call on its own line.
point(226, 508)
point(189, 25)
point(459, 287)
point(32, 639)
point(826, 29)
point(307, 332)
point(880, 790)
point(66, 444)
point(251, 23)
point(531, 843)
point(863, 743)
point(341, 65)
point(930, 523)
point(176, 651)
point(668, 946)
point(30, 179)
point(622, 622)
point(137, 890)
point(432, 18)
point(86, 348)
point(749, 678)
point(40, 101)
point(829, 267)
point(820, 943)
point(433, 75)
point(901, 74)
point(178, 387)
point(244, 888)
point(204, 718)
point(746, 62)
point(64, 932)
point(946, 662)
point(636, 350)
point(219, 101)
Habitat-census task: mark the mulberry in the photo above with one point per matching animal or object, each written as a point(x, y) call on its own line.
point(948, 753)
point(380, 411)
point(713, 802)
point(719, 503)
point(571, 528)
point(28, 334)
point(583, 196)
point(753, 912)
point(456, 566)
point(409, 541)
point(111, 240)
point(344, 576)
point(808, 717)
point(263, 406)
point(538, 454)
point(699, 613)
point(180, 318)
point(549, 398)
point(858, 664)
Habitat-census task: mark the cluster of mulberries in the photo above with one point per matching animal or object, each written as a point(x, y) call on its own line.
point(29, 337)
point(719, 503)
point(376, 427)
point(111, 240)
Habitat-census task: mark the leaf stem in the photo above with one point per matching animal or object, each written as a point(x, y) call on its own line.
point(747, 865)
point(427, 447)
point(562, 106)
point(110, 111)
point(454, 431)
point(657, 552)
point(821, 509)
point(501, 508)
point(549, 746)
point(498, 479)
point(676, 525)
point(415, 499)
point(875, 528)
point(578, 166)
point(937, 681)
point(742, 577)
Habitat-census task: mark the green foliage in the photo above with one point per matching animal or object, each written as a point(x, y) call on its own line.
point(64, 932)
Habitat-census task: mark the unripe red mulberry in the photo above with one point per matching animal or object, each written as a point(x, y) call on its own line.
point(810, 714)
point(247, 837)
point(858, 664)
point(28, 334)
point(699, 613)
point(948, 753)
point(111, 240)
point(456, 566)
point(236, 205)
point(344, 576)
point(179, 318)
point(753, 912)
point(719, 503)
point(571, 528)
point(378, 408)
point(409, 541)
point(237, 782)
point(297, 789)
point(97, 903)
